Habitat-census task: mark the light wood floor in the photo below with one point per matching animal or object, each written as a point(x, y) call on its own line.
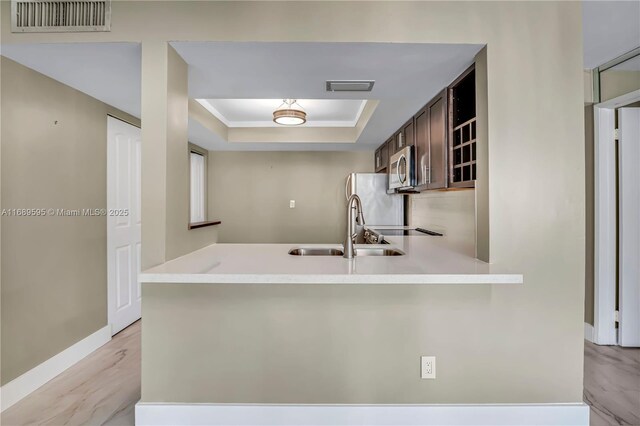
point(612, 384)
point(103, 388)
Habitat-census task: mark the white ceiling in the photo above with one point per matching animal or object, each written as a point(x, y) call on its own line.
point(259, 112)
point(235, 70)
point(406, 76)
point(109, 72)
point(610, 29)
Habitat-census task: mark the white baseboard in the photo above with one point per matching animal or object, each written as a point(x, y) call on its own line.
point(373, 415)
point(23, 385)
point(588, 332)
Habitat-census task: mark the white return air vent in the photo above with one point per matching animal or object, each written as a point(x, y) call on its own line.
point(349, 85)
point(47, 16)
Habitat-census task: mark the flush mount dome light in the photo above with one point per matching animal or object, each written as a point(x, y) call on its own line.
point(289, 113)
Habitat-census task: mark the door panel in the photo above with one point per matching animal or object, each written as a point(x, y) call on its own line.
point(123, 278)
point(123, 223)
point(438, 143)
point(629, 222)
point(137, 268)
point(409, 134)
point(138, 183)
point(384, 154)
point(396, 143)
point(422, 147)
point(123, 177)
point(377, 162)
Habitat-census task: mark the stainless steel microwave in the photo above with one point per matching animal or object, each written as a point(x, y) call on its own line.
point(402, 170)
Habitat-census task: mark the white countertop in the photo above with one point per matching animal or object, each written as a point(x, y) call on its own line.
point(427, 260)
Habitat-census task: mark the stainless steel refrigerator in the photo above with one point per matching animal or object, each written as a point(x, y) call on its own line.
point(379, 208)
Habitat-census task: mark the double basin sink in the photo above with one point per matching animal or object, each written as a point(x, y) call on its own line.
point(360, 251)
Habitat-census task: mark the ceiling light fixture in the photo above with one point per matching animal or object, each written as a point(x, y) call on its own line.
point(289, 113)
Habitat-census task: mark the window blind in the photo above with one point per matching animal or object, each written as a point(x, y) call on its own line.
point(197, 188)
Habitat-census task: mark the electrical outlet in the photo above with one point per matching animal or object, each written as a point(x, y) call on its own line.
point(428, 367)
point(292, 204)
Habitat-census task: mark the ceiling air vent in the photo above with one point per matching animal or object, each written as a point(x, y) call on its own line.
point(349, 85)
point(46, 16)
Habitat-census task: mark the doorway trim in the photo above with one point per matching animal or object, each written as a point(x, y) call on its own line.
point(605, 216)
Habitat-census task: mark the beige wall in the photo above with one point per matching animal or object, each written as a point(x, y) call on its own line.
point(536, 171)
point(482, 195)
point(451, 213)
point(165, 159)
point(536, 186)
point(536, 201)
point(340, 344)
point(54, 269)
point(589, 209)
point(180, 239)
point(588, 86)
point(250, 192)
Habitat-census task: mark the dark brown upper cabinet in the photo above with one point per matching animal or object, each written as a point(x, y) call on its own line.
point(382, 158)
point(377, 160)
point(422, 148)
point(462, 131)
point(431, 144)
point(409, 132)
point(404, 137)
point(386, 152)
point(444, 135)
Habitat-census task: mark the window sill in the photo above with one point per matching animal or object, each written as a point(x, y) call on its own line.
point(197, 225)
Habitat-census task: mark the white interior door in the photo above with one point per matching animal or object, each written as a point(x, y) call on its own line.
point(629, 221)
point(123, 223)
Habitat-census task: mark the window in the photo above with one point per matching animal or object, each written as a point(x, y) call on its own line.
point(198, 187)
point(198, 206)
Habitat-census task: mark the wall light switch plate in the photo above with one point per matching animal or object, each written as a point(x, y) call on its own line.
point(292, 204)
point(428, 367)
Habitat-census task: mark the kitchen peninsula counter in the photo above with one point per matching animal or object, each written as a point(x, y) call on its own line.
point(427, 260)
point(252, 324)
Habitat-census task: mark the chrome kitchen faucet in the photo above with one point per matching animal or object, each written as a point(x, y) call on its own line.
point(349, 251)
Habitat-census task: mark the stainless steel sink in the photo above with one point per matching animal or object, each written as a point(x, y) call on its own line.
point(375, 251)
point(315, 251)
point(360, 251)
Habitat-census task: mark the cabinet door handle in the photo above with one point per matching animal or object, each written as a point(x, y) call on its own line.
point(429, 168)
point(426, 174)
